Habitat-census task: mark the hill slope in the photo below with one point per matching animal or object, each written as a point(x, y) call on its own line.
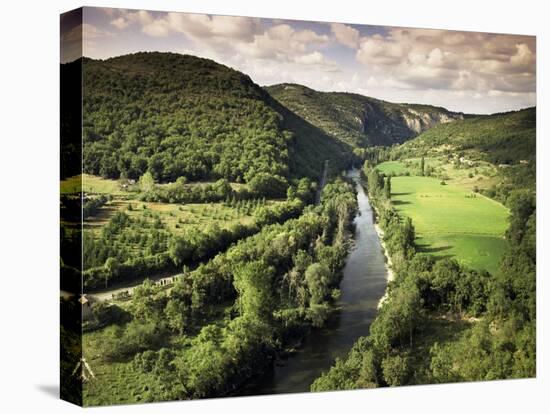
point(505, 138)
point(360, 120)
point(179, 115)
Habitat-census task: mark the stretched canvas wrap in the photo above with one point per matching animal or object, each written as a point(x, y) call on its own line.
point(264, 206)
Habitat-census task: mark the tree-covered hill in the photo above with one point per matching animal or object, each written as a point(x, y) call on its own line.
point(360, 120)
point(504, 138)
point(179, 115)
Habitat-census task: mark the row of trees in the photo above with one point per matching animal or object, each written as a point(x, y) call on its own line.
point(263, 185)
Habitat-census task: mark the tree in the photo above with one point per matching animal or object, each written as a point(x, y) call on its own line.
point(148, 302)
point(111, 266)
point(146, 182)
point(180, 250)
point(177, 312)
point(396, 370)
point(265, 184)
point(368, 373)
point(388, 187)
point(253, 283)
point(318, 279)
point(422, 166)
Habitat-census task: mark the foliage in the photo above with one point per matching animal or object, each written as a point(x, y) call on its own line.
point(279, 281)
point(181, 116)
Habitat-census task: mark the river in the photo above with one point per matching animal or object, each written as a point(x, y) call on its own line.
point(363, 285)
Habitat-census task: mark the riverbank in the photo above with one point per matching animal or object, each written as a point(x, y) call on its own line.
point(389, 263)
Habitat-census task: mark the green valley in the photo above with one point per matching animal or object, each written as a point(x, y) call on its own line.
point(228, 239)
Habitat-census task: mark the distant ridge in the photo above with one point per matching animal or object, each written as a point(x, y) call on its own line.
point(360, 120)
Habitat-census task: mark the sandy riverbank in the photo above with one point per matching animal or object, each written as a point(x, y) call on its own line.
point(391, 276)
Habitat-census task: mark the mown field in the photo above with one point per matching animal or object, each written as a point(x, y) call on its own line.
point(90, 184)
point(393, 168)
point(452, 222)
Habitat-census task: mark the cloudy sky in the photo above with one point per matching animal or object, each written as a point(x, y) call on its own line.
point(462, 71)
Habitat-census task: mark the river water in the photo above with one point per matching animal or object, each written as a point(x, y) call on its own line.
point(362, 287)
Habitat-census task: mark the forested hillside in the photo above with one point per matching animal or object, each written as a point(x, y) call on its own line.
point(179, 115)
point(360, 120)
point(504, 138)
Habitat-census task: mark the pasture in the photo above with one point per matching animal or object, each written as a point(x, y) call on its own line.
point(481, 174)
point(91, 184)
point(393, 168)
point(452, 222)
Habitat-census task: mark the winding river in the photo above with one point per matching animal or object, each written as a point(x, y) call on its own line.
point(362, 287)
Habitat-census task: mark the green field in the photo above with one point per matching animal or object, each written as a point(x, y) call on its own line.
point(90, 184)
point(392, 168)
point(452, 222)
point(480, 174)
point(117, 382)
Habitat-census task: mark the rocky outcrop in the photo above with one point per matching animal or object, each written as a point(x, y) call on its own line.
point(360, 120)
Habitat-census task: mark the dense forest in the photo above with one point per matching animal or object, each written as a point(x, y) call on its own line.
point(504, 138)
point(182, 116)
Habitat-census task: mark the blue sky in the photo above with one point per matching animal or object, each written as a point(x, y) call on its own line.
point(462, 71)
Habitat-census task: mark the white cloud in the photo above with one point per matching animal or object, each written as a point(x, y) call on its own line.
point(127, 17)
point(89, 31)
point(447, 60)
point(346, 35)
point(282, 42)
point(234, 38)
point(91, 38)
point(120, 23)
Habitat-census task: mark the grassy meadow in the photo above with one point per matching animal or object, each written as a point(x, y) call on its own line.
point(451, 220)
point(393, 168)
